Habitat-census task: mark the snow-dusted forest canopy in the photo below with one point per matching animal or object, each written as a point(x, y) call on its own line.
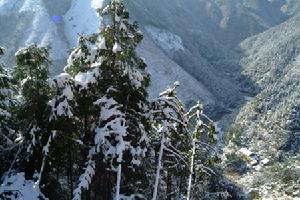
point(149, 99)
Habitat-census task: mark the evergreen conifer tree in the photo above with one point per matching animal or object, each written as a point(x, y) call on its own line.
point(63, 123)
point(33, 113)
point(8, 132)
point(111, 97)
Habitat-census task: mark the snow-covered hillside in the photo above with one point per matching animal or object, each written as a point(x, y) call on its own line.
point(29, 21)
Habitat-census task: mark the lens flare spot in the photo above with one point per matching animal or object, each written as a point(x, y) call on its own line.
point(56, 19)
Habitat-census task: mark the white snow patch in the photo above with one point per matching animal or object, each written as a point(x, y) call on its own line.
point(97, 4)
point(60, 80)
point(81, 18)
point(245, 151)
point(31, 5)
point(265, 161)
point(84, 79)
point(21, 188)
point(165, 39)
point(102, 44)
point(117, 48)
point(68, 93)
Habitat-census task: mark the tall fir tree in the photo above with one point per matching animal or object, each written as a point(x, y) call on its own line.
point(112, 101)
point(31, 70)
point(63, 123)
point(8, 132)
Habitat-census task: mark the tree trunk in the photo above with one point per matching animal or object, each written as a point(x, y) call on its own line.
point(101, 187)
point(191, 171)
point(70, 167)
point(169, 186)
point(118, 181)
point(159, 167)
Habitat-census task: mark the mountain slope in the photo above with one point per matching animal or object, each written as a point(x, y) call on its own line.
point(28, 21)
point(210, 31)
point(207, 52)
point(269, 125)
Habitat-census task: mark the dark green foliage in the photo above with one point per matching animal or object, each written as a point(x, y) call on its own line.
point(111, 69)
point(33, 112)
point(235, 164)
point(8, 132)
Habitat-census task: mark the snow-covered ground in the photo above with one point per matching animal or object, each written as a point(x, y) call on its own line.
point(43, 30)
point(164, 72)
point(15, 187)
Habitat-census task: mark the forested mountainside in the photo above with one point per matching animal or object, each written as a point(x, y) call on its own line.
point(269, 123)
point(239, 57)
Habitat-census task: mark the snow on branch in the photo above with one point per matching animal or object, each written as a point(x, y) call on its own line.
point(86, 178)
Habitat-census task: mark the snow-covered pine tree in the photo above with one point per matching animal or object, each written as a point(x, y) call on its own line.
point(8, 132)
point(33, 112)
point(62, 102)
point(126, 81)
point(174, 143)
point(111, 84)
point(85, 72)
point(64, 142)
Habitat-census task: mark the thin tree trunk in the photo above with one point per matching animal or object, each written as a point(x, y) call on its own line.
point(159, 167)
point(70, 167)
point(169, 186)
point(191, 171)
point(118, 181)
point(86, 141)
